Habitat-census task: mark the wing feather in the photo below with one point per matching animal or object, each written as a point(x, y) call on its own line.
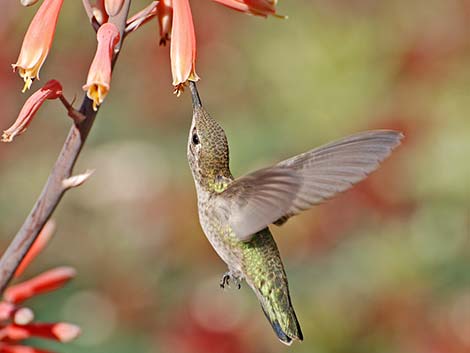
point(274, 194)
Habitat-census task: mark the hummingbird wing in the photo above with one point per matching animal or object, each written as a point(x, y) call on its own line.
point(274, 194)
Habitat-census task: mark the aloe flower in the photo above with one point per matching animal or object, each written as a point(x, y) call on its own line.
point(51, 90)
point(37, 41)
point(176, 24)
point(183, 46)
point(17, 322)
point(165, 17)
point(99, 77)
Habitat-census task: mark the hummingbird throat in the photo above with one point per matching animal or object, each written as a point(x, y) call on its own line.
point(219, 184)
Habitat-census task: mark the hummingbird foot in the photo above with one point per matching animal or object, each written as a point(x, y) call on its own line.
point(227, 278)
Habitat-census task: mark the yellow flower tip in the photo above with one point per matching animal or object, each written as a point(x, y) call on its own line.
point(96, 101)
point(6, 137)
point(28, 81)
point(179, 88)
point(27, 76)
point(97, 93)
point(194, 77)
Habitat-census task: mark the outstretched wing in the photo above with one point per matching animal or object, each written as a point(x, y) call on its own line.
point(274, 194)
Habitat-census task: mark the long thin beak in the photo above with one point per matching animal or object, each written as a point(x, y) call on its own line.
point(195, 95)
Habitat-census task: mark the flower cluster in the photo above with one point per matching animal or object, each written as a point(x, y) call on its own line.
point(16, 321)
point(110, 20)
point(175, 22)
point(38, 41)
point(176, 25)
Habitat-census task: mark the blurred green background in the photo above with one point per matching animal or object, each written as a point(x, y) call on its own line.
point(383, 268)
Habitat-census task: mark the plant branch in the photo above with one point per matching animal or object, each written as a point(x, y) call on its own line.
point(76, 116)
point(120, 21)
point(54, 189)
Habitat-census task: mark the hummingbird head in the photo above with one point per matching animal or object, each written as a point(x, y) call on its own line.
point(207, 147)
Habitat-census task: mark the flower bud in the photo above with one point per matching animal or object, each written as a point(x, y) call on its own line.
point(51, 90)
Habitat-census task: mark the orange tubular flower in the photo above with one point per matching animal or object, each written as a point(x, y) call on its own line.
point(165, 17)
point(99, 77)
point(17, 322)
point(45, 282)
point(61, 331)
point(38, 245)
point(142, 17)
point(183, 46)
point(51, 90)
point(262, 8)
point(38, 41)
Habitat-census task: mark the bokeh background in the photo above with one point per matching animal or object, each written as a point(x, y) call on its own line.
point(383, 268)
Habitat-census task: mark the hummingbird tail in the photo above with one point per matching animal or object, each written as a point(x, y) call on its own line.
point(290, 330)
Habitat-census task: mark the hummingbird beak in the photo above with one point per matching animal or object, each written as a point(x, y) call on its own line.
point(195, 95)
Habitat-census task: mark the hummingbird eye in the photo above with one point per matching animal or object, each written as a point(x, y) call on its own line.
point(195, 139)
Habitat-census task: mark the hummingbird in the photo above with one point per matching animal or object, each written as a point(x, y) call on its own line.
point(235, 214)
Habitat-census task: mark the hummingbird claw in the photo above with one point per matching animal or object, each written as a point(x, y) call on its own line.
point(227, 278)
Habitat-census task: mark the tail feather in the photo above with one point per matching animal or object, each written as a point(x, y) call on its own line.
point(277, 329)
point(264, 273)
point(285, 335)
